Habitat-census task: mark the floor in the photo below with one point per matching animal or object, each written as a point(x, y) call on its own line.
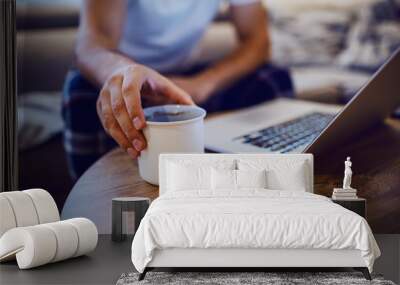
point(389, 262)
point(110, 260)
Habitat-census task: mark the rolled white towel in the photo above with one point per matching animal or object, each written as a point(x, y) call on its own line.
point(23, 208)
point(45, 205)
point(26, 208)
point(32, 246)
point(87, 234)
point(7, 218)
point(67, 240)
point(37, 245)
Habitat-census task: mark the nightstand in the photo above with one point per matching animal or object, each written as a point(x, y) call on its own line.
point(358, 206)
point(121, 205)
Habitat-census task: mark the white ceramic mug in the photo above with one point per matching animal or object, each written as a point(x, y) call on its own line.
point(170, 129)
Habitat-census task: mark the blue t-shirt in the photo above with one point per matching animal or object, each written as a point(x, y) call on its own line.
point(162, 33)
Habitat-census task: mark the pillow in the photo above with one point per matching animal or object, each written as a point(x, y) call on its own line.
point(282, 174)
point(251, 178)
point(193, 174)
point(188, 177)
point(236, 179)
point(223, 179)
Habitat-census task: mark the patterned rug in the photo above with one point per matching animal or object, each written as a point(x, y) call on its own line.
point(243, 278)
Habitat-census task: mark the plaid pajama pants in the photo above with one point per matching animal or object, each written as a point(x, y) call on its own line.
point(85, 139)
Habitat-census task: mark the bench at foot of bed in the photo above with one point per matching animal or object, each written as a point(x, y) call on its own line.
point(363, 270)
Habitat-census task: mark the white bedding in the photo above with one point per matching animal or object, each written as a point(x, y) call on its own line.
point(250, 219)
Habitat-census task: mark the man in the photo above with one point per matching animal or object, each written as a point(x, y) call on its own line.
point(138, 52)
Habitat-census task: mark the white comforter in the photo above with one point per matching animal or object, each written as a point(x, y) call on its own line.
point(250, 219)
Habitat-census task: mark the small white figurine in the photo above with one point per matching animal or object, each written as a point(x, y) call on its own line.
point(347, 192)
point(347, 174)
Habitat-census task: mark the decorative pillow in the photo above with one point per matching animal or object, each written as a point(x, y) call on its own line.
point(223, 179)
point(188, 174)
point(282, 174)
point(251, 178)
point(188, 177)
point(228, 179)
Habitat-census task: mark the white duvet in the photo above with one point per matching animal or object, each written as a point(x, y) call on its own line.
point(250, 219)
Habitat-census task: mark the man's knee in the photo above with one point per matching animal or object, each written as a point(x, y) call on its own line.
point(79, 103)
point(84, 137)
point(276, 77)
point(265, 83)
point(75, 83)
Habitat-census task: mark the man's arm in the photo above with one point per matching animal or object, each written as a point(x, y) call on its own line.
point(98, 37)
point(254, 48)
point(122, 80)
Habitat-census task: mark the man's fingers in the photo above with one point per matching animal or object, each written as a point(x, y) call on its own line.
point(132, 152)
point(131, 87)
point(120, 109)
point(108, 121)
point(120, 112)
point(172, 91)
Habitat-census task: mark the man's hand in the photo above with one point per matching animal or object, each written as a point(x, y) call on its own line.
point(198, 87)
point(119, 104)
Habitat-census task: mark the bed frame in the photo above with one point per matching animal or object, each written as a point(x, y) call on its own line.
point(246, 258)
point(243, 259)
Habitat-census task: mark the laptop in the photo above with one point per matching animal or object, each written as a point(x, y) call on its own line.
point(295, 126)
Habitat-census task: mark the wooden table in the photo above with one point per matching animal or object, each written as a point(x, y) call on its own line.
point(376, 165)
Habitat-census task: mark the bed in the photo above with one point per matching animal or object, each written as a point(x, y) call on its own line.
point(247, 210)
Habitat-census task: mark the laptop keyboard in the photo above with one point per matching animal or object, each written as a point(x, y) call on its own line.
point(290, 135)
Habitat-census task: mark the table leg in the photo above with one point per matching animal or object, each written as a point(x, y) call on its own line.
point(140, 211)
point(116, 230)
